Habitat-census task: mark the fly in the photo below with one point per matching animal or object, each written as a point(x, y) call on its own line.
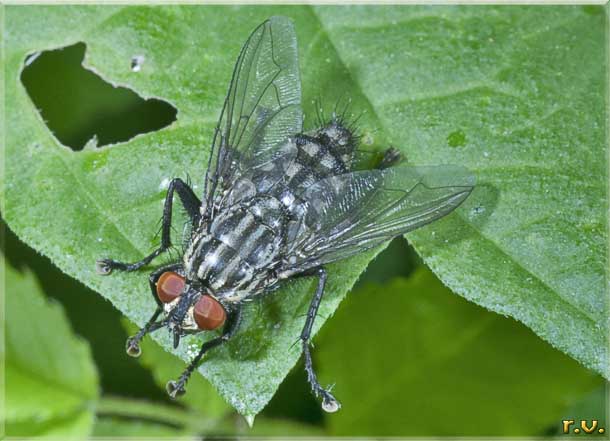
point(279, 204)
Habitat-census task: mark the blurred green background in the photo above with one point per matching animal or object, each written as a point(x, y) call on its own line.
point(409, 357)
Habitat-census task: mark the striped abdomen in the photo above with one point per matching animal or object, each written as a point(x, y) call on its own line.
point(236, 258)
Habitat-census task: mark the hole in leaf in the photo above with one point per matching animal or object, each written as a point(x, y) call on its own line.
point(78, 105)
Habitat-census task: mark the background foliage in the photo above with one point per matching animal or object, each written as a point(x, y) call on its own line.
point(520, 104)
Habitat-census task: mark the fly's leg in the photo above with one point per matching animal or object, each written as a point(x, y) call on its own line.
point(329, 402)
point(391, 157)
point(176, 388)
point(133, 343)
point(191, 204)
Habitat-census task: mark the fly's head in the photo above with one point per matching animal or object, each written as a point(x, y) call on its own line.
point(188, 307)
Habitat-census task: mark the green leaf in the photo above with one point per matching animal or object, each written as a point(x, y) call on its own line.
point(489, 88)
point(105, 203)
point(163, 365)
point(516, 94)
point(428, 363)
point(50, 377)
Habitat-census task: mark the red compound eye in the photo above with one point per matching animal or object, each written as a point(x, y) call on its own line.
point(209, 313)
point(169, 286)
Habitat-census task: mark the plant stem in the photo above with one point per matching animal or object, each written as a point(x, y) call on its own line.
point(162, 413)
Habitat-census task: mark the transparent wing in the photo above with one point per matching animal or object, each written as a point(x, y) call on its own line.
point(353, 212)
point(261, 110)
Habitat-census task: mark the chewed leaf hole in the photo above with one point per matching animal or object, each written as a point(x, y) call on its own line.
point(78, 106)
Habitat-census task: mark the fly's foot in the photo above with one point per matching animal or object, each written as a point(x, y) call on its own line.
point(175, 389)
point(329, 403)
point(132, 347)
point(103, 267)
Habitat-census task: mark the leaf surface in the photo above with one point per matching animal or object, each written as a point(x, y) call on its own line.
point(488, 88)
point(517, 95)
